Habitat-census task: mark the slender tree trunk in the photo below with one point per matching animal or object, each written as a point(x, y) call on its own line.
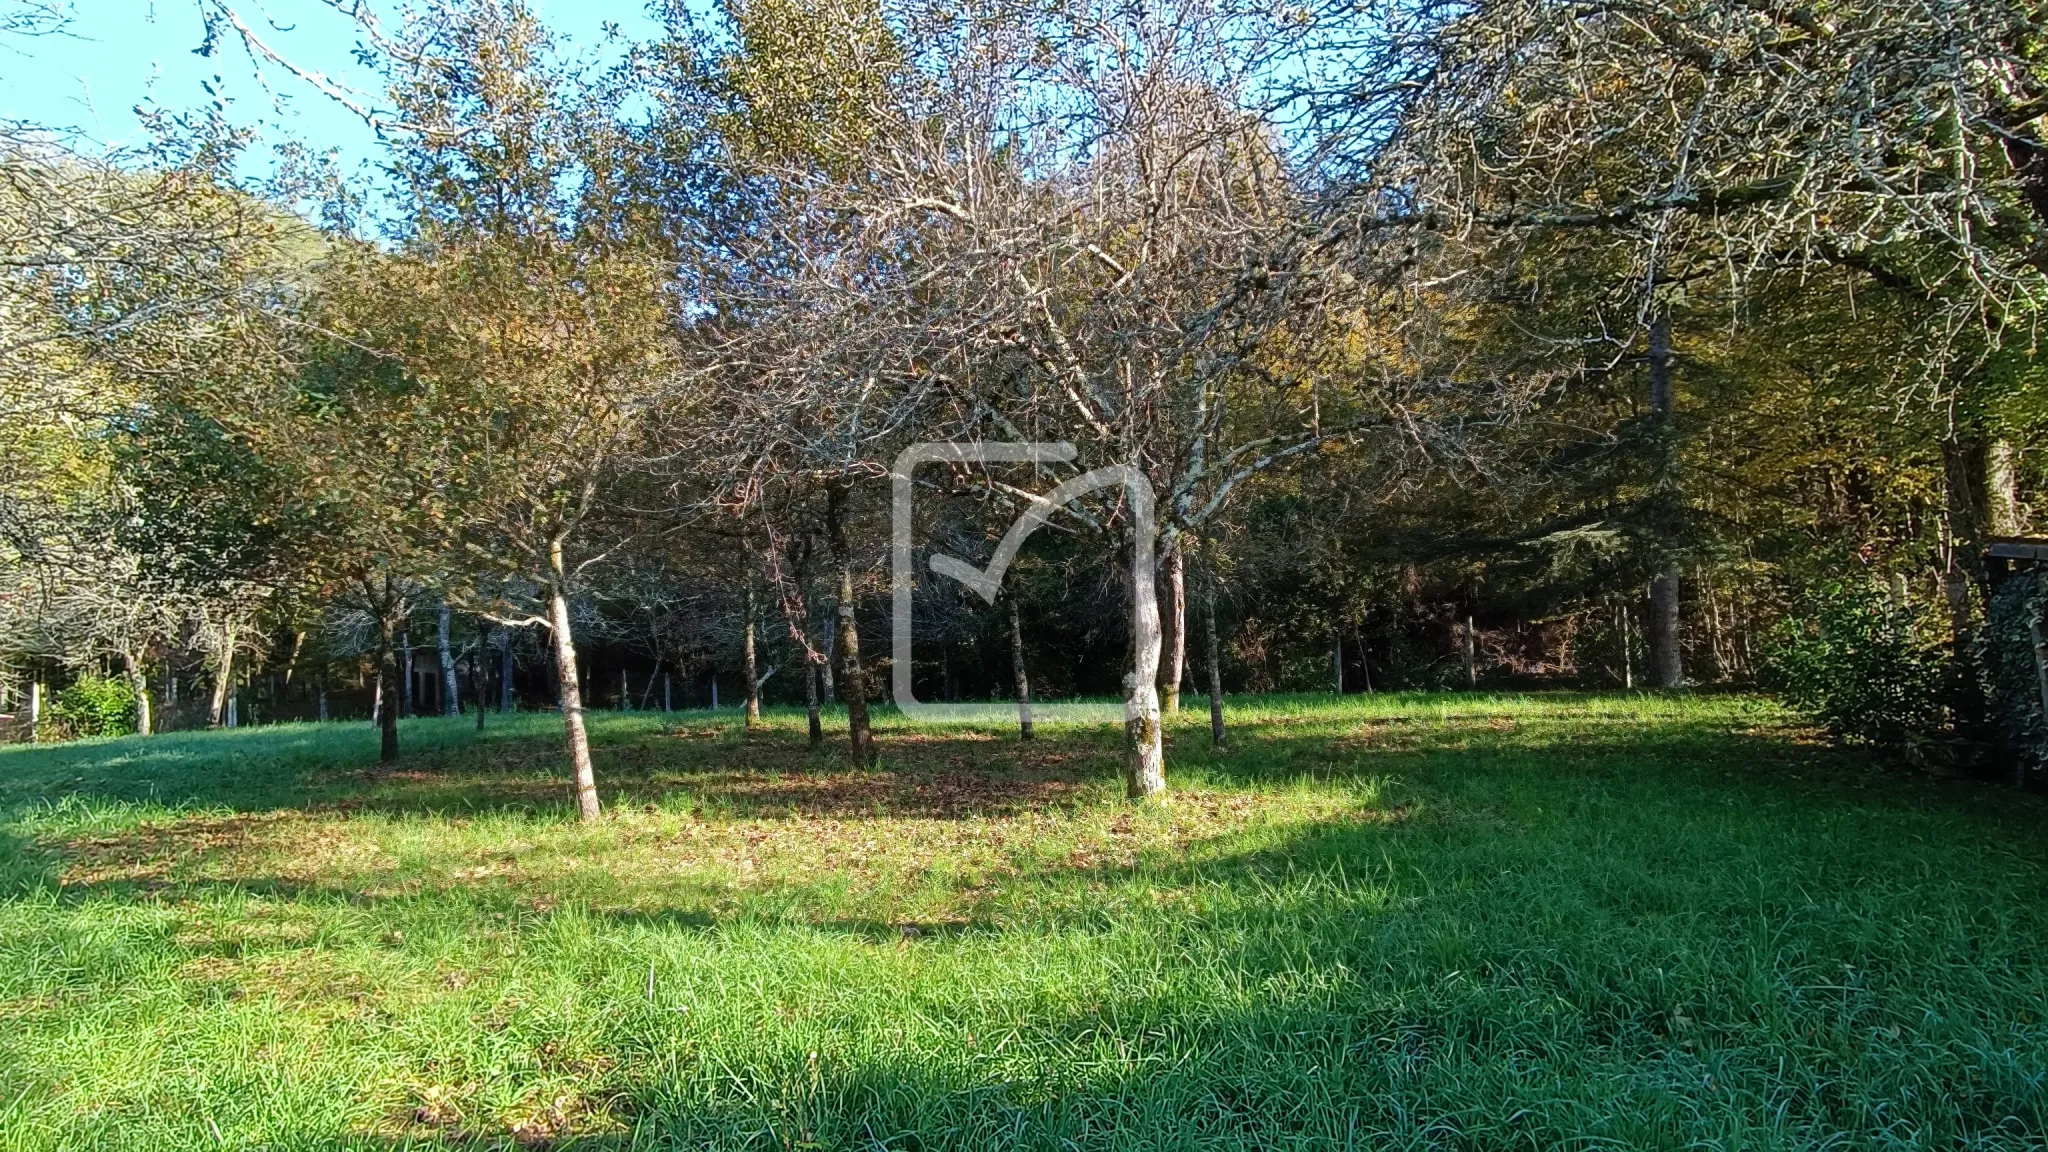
point(138, 682)
point(35, 711)
point(1471, 656)
point(1364, 657)
point(830, 671)
point(320, 702)
point(1174, 628)
point(852, 680)
point(753, 671)
point(223, 678)
point(1667, 663)
point(1968, 513)
point(476, 682)
point(291, 662)
point(505, 670)
point(1017, 670)
point(846, 645)
point(1337, 658)
point(1215, 646)
point(572, 695)
point(387, 712)
point(814, 677)
point(406, 703)
point(1145, 769)
point(1628, 659)
point(667, 704)
point(949, 684)
point(451, 694)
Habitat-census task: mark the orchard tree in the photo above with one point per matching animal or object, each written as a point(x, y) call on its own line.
point(517, 338)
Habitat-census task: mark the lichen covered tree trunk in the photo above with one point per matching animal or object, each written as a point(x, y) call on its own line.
point(852, 681)
point(571, 691)
point(1145, 767)
point(223, 677)
point(451, 696)
point(138, 682)
point(1173, 626)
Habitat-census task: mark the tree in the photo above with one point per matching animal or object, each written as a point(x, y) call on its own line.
point(524, 327)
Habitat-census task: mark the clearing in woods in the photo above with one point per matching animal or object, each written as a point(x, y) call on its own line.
point(1400, 921)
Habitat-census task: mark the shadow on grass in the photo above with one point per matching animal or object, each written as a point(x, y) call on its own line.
point(518, 762)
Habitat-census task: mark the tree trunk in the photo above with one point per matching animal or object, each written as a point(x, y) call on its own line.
point(1017, 670)
point(1667, 667)
point(1667, 663)
point(1337, 658)
point(505, 670)
point(1145, 770)
point(1215, 646)
point(1174, 628)
point(476, 682)
point(138, 682)
point(223, 675)
point(451, 695)
point(387, 712)
point(814, 676)
point(829, 672)
point(405, 685)
point(1628, 659)
point(1963, 473)
point(846, 645)
point(753, 671)
point(2001, 491)
point(291, 662)
point(35, 712)
point(1471, 656)
point(572, 696)
point(949, 683)
point(852, 681)
point(320, 704)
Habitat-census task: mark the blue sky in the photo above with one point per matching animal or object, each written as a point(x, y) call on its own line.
point(121, 53)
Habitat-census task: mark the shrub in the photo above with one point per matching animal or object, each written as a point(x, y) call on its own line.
point(93, 706)
point(1870, 672)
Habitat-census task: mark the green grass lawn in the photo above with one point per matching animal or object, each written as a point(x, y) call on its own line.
point(1445, 922)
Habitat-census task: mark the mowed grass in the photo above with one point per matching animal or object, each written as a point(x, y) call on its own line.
point(1443, 922)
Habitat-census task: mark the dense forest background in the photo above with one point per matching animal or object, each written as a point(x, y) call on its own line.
point(1509, 343)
